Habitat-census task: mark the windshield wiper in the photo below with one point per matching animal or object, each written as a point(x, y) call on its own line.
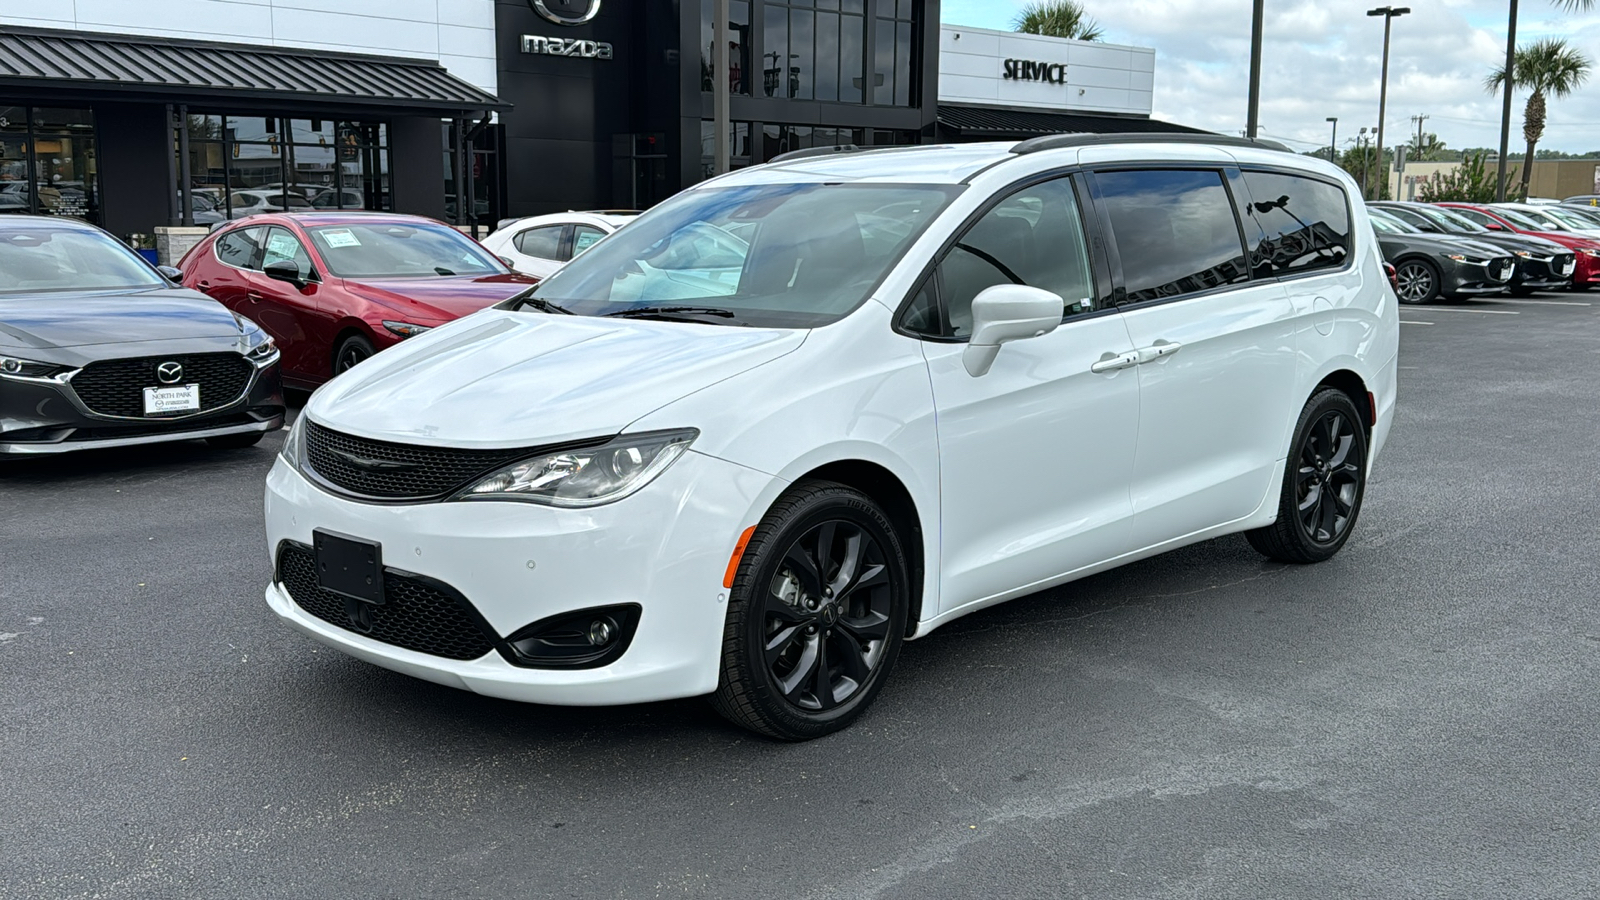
point(670, 312)
point(526, 299)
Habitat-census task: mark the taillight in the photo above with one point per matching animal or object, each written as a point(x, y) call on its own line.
point(1394, 276)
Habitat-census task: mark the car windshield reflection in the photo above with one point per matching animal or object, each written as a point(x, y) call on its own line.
point(393, 250)
point(49, 259)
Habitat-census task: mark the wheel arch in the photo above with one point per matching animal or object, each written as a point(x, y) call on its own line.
point(350, 327)
point(1353, 386)
point(883, 486)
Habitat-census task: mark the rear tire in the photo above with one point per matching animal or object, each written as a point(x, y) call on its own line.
point(1324, 480)
point(236, 441)
point(816, 616)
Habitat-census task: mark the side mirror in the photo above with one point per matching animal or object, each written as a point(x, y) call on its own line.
point(171, 274)
point(507, 261)
point(1494, 226)
point(284, 270)
point(1006, 313)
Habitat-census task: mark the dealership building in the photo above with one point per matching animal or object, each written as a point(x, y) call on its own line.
point(187, 112)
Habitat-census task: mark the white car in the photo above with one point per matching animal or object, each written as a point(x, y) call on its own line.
point(932, 380)
point(248, 203)
point(540, 245)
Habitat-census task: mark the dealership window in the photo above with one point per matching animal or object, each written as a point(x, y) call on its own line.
point(739, 46)
point(894, 54)
point(738, 146)
point(483, 177)
point(47, 162)
point(239, 165)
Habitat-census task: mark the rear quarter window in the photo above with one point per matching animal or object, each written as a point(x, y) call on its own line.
point(1304, 223)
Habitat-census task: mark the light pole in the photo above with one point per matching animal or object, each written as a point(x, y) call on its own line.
point(1253, 115)
point(1388, 13)
point(1361, 149)
point(1333, 141)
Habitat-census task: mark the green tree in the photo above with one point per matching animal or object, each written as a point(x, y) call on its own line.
point(1543, 68)
point(1058, 18)
point(1471, 182)
point(1425, 148)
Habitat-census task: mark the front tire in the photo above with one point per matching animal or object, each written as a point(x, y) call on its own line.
point(1324, 481)
point(1419, 281)
point(817, 614)
point(352, 352)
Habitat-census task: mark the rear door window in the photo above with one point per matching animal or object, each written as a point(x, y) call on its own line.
point(541, 243)
point(584, 237)
point(1175, 231)
point(241, 247)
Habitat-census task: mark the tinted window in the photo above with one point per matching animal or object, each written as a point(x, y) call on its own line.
point(380, 249)
point(584, 237)
point(1414, 219)
point(1033, 237)
point(241, 247)
point(1305, 223)
point(1175, 231)
point(541, 243)
point(1477, 218)
point(282, 245)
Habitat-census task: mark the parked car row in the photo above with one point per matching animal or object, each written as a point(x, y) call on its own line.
point(1452, 250)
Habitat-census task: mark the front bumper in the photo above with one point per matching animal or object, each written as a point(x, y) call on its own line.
point(1467, 277)
point(42, 417)
point(665, 548)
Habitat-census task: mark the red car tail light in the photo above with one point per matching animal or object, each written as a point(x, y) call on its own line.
point(1394, 276)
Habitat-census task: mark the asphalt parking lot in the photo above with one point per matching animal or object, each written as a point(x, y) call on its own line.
point(1416, 718)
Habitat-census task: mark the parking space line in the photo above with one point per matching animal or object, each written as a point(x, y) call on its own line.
point(1549, 302)
point(1481, 312)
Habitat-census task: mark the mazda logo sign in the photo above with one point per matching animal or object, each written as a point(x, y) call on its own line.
point(567, 12)
point(169, 372)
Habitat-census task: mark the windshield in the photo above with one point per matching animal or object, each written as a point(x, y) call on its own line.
point(1522, 220)
point(48, 259)
point(780, 255)
point(1449, 221)
point(1570, 220)
point(400, 250)
point(1389, 224)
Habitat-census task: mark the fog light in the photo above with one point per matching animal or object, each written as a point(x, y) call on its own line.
point(580, 639)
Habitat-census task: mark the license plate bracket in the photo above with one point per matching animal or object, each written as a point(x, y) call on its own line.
point(159, 401)
point(349, 566)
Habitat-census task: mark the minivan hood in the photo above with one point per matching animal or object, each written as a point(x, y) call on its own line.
point(440, 299)
point(510, 379)
point(82, 318)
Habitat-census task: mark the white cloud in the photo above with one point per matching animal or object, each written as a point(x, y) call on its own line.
point(1323, 59)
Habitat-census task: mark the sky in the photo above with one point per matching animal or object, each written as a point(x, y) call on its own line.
point(1322, 58)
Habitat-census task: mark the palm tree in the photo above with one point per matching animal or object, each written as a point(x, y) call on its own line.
point(1067, 19)
point(1543, 68)
point(1571, 6)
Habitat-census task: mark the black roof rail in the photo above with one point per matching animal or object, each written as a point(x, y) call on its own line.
point(1059, 141)
point(815, 151)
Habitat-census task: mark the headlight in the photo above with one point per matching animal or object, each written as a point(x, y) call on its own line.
point(1523, 253)
point(1587, 251)
point(1466, 259)
point(27, 368)
point(264, 353)
point(587, 477)
point(294, 443)
point(406, 329)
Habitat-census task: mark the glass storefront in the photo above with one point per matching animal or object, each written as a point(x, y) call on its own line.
point(239, 165)
point(839, 51)
point(47, 162)
point(482, 177)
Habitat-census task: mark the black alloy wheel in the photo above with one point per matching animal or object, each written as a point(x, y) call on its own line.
point(817, 614)
point(355, 350)
point(1419, 281)
point(1324, 482)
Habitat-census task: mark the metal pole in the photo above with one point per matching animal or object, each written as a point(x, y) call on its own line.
point(1253, 116)
point(185, 176)
point(720, 88)
point(1383, 95)
point(174, 217)
point(1333, 141)
point(1505, 110)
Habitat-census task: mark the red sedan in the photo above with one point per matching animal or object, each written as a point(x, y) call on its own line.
point(1586, 249)
point(335, 288)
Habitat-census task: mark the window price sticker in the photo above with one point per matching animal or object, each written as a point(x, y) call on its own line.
point(344, 237)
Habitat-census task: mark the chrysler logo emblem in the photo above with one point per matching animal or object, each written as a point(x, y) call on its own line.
point(368, 464)
point(169, 372)
point(567, 12)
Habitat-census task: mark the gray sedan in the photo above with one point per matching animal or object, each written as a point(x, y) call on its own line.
point(99, 349)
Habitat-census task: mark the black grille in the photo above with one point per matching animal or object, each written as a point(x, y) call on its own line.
point(398, 471)
point(414, 615)
point(115, 387)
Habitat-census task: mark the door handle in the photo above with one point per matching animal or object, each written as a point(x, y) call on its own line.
point(253, 296)
point(1158, 350)
point(204, 287)
point(1111, 363)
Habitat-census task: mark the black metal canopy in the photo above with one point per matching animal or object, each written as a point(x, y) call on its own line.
point(201, 71)
point(997, 123)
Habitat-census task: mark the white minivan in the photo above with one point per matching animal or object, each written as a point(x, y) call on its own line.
point(803, 412)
